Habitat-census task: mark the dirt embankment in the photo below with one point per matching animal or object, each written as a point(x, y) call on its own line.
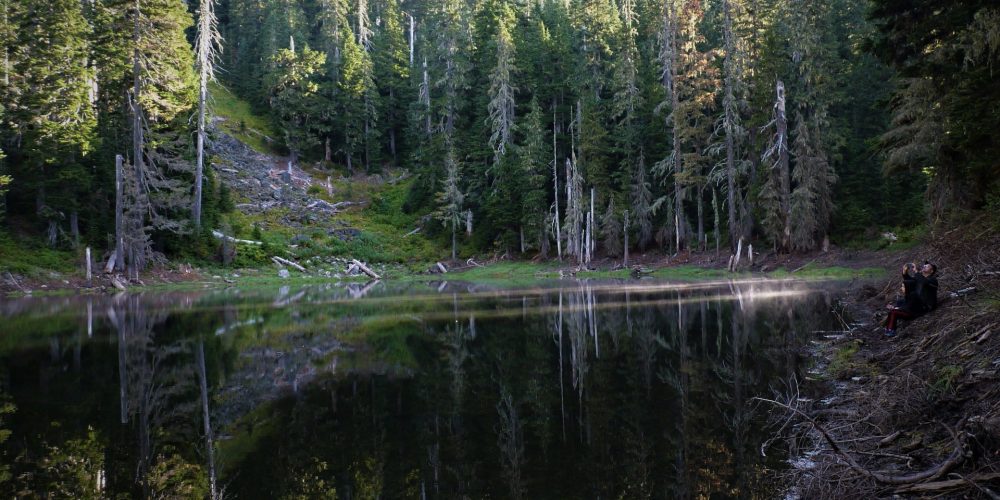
point(913, 416)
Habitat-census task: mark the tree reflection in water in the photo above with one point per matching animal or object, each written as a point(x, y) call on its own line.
point(579, 389)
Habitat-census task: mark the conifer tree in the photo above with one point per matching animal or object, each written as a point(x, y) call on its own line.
point(161, 96)
point(501, 105)
point(295, 96)
point(451, 199)
point(54, 114)
point(732, 127)
point(776, 190)
point(611, 230)
point(811, 202)
point(356, 89)
point(392, 72)
point(642, 204)
point(532, 156)
point(690, 80)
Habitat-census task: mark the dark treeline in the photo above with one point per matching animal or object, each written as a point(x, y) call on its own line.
point(556, 127)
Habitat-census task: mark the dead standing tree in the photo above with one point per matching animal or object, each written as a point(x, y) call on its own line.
point(777, 189)
point(207, 48)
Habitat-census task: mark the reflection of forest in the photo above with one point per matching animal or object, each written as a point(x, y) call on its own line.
point(577, 391)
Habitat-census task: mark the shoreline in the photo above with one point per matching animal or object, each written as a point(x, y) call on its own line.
point(689, 266)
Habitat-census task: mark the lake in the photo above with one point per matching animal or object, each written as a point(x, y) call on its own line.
point(564, 389)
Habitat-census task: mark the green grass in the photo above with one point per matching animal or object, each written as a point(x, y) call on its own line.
point(945, 378)
point(32, 258)
point(832, 272)
point(242, 122)
point(845, 362)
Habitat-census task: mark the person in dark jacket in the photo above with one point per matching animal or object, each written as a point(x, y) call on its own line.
point(919, 295)
point(927, 286)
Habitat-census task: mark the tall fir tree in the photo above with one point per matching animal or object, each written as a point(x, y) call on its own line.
point(296, 99)
point(392, 74)
point(54, 116)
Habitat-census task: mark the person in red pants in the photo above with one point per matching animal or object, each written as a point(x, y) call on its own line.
point(919, 295)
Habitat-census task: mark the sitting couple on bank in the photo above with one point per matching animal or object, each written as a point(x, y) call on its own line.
point(919, 297)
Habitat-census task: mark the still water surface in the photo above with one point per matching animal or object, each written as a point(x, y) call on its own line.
point(567, 389)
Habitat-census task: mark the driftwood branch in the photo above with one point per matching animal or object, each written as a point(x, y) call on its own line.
point(221, 236)
point(355, 263)
point(934, 472)
point(332, 207)
point(803, 266)
point(285, 262)
point(938, 486)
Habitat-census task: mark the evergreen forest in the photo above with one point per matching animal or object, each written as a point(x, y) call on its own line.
point(561, 128)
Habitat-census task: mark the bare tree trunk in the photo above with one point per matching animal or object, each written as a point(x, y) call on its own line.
point(625, 232)
point(208, 37)
point(327, 150)
point(730, 119)
point(119, 210)
point(200, 166)
point(679, 236)
point(136, 250)
point(555, 181)
point(209, 441)
point(701, 221)
point(715, 212)
point(52, 232)
point(412, 37)
point(783, 170)
point(74, 227)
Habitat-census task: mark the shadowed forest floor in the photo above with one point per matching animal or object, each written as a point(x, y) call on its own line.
point(917, 415)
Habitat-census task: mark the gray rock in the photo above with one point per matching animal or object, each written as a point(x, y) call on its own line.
point(283, 273)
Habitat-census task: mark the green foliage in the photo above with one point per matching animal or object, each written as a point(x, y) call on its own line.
point(311, 484)
point(28, 256)
point(172, 476)
point(946, 52)
point(72, 469)
point(843, 364)
point(239, 119)
point(944, 381)
point(295, 96)
point(6, 408)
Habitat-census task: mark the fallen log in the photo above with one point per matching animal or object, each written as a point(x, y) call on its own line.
point(441, 268)
point(285, 262)
point(118, 284)
point(948, 484)
point(110, 266)
point(221, 236)
point(890, 438)
point(333, 207)
point(365, 269)
point(803, 266)
point(411, 233)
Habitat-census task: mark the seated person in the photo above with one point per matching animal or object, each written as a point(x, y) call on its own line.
point(919, 295)
point(927, 286)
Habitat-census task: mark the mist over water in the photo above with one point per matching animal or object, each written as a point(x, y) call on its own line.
point(566, 389)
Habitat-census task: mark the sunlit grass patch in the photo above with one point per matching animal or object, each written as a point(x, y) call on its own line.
point(240, 120)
